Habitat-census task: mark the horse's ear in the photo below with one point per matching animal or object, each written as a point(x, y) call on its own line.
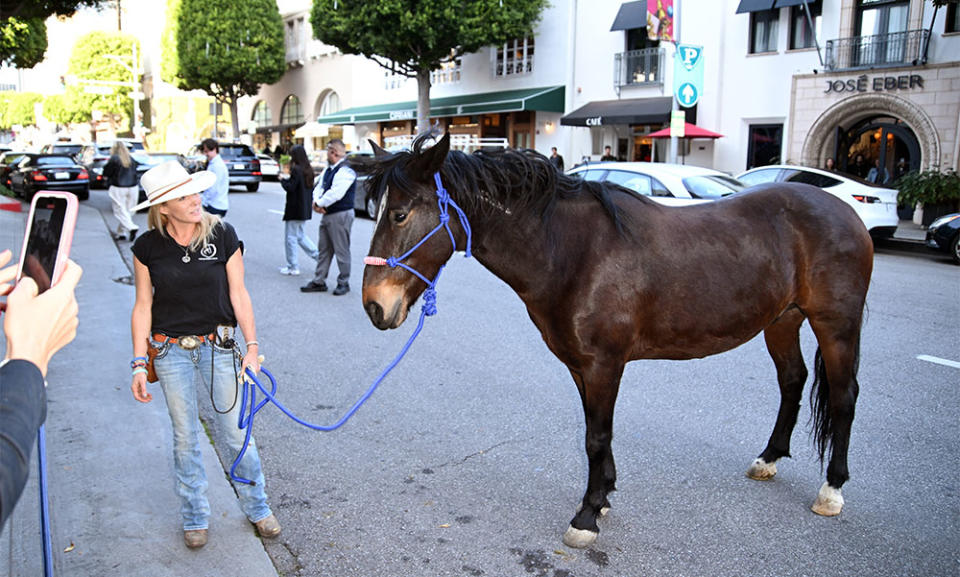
point(378, 153)
point(431, 159)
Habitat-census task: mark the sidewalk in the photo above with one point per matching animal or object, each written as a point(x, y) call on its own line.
point(909, 237)
point(109, 458)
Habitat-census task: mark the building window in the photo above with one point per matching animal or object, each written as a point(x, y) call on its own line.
point(330, 104)
point(261, 114)
point(291, 113)
point(514, 57)
point(800, 34)
point(448, 72)
point(764, 144)
point(295, 41)
point(764, 28)
point(953, 18)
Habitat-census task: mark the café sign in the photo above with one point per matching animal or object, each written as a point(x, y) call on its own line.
point(864, 83)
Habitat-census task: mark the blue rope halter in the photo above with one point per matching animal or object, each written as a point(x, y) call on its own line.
point(249, 405)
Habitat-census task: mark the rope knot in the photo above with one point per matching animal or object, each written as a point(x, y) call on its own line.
point(430, 301)
point(444, 218)
point(392, 262)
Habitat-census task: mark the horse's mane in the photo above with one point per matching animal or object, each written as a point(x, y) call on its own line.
point(485, 182)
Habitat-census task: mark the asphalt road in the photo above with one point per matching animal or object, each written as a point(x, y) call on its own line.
point(469, 458)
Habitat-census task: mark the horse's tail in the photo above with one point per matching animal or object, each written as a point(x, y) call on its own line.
point(820, 402)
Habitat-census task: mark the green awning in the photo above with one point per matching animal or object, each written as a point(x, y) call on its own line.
point(547, 99)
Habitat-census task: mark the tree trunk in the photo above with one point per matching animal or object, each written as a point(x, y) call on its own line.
point(233, 117)
point(423, 100)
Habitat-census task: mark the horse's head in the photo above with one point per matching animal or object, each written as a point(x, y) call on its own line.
point(409, 211)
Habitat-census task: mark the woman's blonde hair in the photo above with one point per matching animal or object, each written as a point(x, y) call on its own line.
point(120, 151)
point(204, 234)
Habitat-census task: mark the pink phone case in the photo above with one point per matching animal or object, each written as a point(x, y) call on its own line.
point(66, 235)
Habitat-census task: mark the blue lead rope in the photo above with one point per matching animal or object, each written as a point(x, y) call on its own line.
point(249, 406)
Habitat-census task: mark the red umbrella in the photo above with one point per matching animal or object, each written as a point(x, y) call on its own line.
point(690, 131)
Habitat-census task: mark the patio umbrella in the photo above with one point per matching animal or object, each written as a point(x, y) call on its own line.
point(690, 131)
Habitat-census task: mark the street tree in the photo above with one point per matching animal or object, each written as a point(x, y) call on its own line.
point(18, 109)
point(23, 33)
point(414, 37)
point(169, 61)
point(99, 62)
point(228, 48)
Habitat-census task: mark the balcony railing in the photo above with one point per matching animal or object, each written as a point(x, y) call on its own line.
point(883, 50)
point(638, 67)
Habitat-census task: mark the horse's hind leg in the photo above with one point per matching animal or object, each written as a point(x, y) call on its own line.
point(783, 344)
point(834, 399)
point(598, 392)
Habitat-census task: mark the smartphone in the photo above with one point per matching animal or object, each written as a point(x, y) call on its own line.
point(49, 234)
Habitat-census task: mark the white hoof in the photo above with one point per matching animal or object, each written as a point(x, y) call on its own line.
point(578, 538)
point(829, 501)
point(761, 470)
point(603, 510)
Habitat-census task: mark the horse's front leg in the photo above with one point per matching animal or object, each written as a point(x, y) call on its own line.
point(598, 392)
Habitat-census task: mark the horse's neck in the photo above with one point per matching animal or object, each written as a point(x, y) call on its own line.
point(510, 249)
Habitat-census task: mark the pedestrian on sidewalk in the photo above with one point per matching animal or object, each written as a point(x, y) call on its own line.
point(216, 198)
point(333, 198)
point(189, 276)
point(121, 170)
point(297, 211)
point(36, 326)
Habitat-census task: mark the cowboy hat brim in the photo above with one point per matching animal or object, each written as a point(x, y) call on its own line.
point(199, 182)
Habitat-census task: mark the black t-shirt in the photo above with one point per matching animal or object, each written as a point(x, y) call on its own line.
point(189, 298)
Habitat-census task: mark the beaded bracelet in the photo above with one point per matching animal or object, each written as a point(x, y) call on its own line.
point(138, 362)
point(139, 370)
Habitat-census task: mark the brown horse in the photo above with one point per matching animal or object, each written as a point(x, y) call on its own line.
point(609, 277)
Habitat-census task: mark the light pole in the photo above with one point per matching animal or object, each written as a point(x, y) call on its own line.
point(135, 94)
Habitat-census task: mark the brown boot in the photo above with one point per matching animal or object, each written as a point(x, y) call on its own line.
point(195, 538)
point(268, 527)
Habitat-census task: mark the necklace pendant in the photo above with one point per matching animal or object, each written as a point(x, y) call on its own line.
point(185, 259)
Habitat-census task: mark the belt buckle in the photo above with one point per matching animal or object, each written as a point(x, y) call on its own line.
point(189, 342)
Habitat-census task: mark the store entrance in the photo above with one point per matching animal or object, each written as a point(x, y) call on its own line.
point(881, 138)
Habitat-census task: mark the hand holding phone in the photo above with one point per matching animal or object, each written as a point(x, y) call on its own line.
point(46, 243)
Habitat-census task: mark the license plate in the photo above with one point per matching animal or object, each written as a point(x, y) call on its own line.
point(62, 175)
point(238, 166)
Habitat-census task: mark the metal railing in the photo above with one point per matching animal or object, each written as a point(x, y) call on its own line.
point(879, 51)
point(638, 67)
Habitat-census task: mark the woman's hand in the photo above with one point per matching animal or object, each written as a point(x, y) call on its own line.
point(139, 388)
point(251, 359)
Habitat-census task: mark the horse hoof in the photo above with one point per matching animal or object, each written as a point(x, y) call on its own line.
point(829, 501)
point(579, 538)
point(761, 470)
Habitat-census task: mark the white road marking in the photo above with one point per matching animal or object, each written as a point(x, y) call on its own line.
point(939, 361)
point(275, 211)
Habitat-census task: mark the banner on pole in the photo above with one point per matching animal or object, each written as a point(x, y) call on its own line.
point(660, 20)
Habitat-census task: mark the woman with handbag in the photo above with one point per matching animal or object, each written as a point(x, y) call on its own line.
point(190, 293)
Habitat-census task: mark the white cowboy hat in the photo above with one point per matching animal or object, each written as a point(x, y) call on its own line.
point(171, 180)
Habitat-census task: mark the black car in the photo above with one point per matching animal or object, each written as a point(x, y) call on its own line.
point(147, 160)
point(242, 163)
point(71, 149)
point(8, 162)
point(59, 172)
point(943, 234)
point(93, 157)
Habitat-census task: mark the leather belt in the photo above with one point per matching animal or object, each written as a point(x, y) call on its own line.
point(186, 342)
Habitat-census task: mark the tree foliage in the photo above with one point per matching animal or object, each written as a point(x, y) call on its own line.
point(99, 56)
point(23, 34)
point(228, 48)
point(18, 108)
point(413, 37)
point(169, 61)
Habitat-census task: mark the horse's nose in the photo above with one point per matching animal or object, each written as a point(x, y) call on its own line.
point(375, 312)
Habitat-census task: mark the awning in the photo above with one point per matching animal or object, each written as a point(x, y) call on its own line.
point(547, 99)
point(689, 131)
point(788, 3)
point(626, 111)
point(312, 130)
point(754, 6)
point(631, 15)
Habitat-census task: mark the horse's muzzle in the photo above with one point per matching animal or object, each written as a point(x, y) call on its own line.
point(389, 317)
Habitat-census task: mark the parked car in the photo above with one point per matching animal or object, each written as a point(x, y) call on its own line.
point(147, 160)
point(875, 205)
point(943, 234)
point(8, 162)
point(668, 184)
point(93, 157)
point(269, 168)
point(242, 163)
point(49, 172)
point(62, 148)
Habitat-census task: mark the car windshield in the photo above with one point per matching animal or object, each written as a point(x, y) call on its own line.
point(235, 151)
point(711, 186)
point(758, 176)
point(53, 160)
point(70, 149)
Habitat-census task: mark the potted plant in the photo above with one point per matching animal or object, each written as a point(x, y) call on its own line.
point(934, 193)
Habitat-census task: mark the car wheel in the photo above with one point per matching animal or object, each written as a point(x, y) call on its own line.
point(955, 248)
point(253, 187)
point(371, 206)
point(83, 195)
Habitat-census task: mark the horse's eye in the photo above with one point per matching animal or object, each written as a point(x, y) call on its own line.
point(399, 217)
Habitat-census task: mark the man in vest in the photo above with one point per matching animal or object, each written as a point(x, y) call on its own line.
point(333, 198)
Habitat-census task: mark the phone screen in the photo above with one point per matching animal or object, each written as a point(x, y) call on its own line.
point(44, 240)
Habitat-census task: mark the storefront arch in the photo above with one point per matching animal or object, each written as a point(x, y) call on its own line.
point(822, 138)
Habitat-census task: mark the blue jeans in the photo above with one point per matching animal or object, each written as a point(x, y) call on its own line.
point(293, 231)
point(184, 377)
